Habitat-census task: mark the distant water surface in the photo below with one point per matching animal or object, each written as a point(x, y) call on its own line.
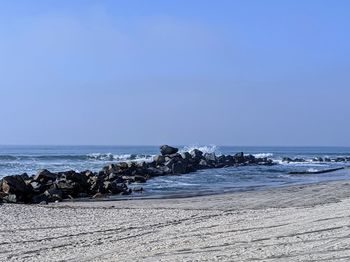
point(29, 159)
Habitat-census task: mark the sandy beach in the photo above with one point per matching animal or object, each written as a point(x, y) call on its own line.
point(298, 223)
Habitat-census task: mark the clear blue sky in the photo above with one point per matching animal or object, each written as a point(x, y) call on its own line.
point(180, 72)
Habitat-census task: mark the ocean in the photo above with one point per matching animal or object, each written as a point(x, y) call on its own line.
point(29, 159)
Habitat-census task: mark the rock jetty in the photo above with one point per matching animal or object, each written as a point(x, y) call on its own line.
point(113, 179)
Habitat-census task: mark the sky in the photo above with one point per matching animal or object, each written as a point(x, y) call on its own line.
point(148, 72)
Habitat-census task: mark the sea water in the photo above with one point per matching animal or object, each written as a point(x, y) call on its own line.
point(29, 159)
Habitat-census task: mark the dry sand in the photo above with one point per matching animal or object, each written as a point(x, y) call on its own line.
point(300, 223)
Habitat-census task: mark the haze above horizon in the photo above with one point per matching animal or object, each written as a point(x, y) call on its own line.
point(253, 73)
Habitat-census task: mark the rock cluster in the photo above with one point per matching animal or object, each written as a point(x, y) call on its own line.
point(46, 186)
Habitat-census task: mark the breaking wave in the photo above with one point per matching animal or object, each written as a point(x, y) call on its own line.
point(263, 155)
point(122, 157)
point(204, 149)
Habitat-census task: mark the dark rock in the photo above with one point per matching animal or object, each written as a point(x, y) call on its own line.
point(68, 187)
point(54, 194)
point(229, 160)
point(10, 198)
point(40, 199)
point(87, 173)
point(164, 170)
point(44, 176)
point(152, 171)
point(117, 188)
point(123, 165)
point(197, 154)
point(16, 185)
point(340, 159)
point(132, 165)
point(169, 162)
point(139, 179)
point(75, 177)
point(186, 156)
point(37, 187)
point(133, 157)
point(210, 157)
point(287, 159)
point(159, 159)
point(3, 194)
point(250, 159)
point(110, 168)
point(174, 156)
point(168, 150)
point(141, 165)
point(107, 187)
point(221, 159)
point(112, 176)
point(179, 167)
point(25, 176)
point(239, 158)
point(203, 164)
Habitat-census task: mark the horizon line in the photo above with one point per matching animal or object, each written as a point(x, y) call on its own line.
point(149, 145)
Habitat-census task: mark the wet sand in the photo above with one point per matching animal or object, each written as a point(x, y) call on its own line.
point(298, 223)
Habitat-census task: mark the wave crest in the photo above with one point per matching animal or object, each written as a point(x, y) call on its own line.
point(204, 149)
point(263, 155)
point(122, 157)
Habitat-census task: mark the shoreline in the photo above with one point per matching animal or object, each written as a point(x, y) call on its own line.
point(293, 223)
point(117, 198)
point(331, 191)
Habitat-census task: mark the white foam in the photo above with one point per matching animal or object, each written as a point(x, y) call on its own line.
point(263, 155)
point(304, 164)
point(204, 149)
point(101, 156)
point(121, 157)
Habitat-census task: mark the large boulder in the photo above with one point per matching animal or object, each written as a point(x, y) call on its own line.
point(159, 159)
point(68, 188)
point(37, 187)
point(229, 160)
point(186, 156)
point(40, 199)
point(116, 188)
point(203, 164)
point(221, 159)
point(179, 167)
point(210, 157)
point(79, 178)
point(16, 185)
point(239, 158)
point(54, 194)
point(287, 159)
point(11, 198)
point(197, 154)
point(168, 150)
point(44, 176)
